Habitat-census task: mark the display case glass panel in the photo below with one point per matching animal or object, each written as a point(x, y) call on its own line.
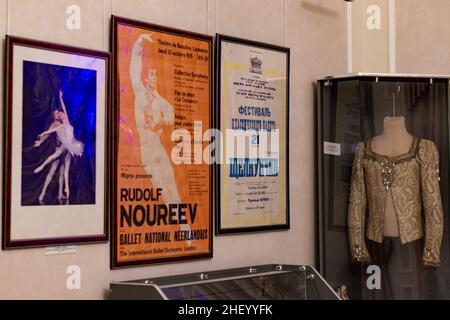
point(268, 282)
point(400, 125)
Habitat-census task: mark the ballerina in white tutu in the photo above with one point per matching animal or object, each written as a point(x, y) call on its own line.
point(65, 142)
point(54, 165)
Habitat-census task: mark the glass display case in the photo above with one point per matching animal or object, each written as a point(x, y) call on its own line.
point(382, 188)
point(267, 282)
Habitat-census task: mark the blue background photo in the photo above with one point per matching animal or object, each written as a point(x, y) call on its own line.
point(41, 86)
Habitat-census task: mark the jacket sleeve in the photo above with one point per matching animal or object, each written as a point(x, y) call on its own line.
point(357, 210)
point(432, 204)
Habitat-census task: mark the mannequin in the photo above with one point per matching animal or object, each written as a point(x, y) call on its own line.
point(394, 141)
point(395, 214)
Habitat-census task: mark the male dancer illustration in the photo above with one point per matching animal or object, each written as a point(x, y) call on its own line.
point(152, 113)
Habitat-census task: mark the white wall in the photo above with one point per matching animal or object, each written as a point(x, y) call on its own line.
point(315, 30)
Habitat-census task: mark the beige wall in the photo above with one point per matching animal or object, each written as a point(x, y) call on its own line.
point(420, 30)
point(423, 42)
point(370, 47)
point(316, 32)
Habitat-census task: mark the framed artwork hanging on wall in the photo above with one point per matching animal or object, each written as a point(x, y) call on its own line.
point(55, 145)
point(162, 193)
point(252, 181)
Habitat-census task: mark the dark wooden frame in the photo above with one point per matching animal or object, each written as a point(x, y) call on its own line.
point(7, 243)
point(224, 38)
point(115, 138)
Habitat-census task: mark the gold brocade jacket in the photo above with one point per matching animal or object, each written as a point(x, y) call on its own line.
point(413, 180)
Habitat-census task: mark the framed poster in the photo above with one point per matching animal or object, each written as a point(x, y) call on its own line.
point(162, 208)
point(55, 145)
point(253, 101)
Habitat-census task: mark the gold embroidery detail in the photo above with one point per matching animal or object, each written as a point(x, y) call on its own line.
point(416, 193)
point(387, 172)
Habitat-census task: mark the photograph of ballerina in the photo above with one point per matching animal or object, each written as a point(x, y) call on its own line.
point(58, 135)
point(56, 150)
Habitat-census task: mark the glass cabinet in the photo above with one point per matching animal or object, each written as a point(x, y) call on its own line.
point(267, 282)
point(356, 110)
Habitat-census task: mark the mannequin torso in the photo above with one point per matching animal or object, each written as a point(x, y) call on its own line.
point(394, 141)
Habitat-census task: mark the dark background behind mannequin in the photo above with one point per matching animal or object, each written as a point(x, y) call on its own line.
point(425, 108)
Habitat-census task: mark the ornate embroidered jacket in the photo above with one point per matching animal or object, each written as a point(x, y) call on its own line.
point(413, 180)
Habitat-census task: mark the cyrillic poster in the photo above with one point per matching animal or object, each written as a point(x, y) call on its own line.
point(253, 90)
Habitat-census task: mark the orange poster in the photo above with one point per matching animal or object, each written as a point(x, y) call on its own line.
point(163, 205)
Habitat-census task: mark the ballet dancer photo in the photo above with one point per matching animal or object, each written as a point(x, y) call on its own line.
point(66, 148)
point(59, 135)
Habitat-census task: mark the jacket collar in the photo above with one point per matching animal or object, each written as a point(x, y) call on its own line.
point(400, 158)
